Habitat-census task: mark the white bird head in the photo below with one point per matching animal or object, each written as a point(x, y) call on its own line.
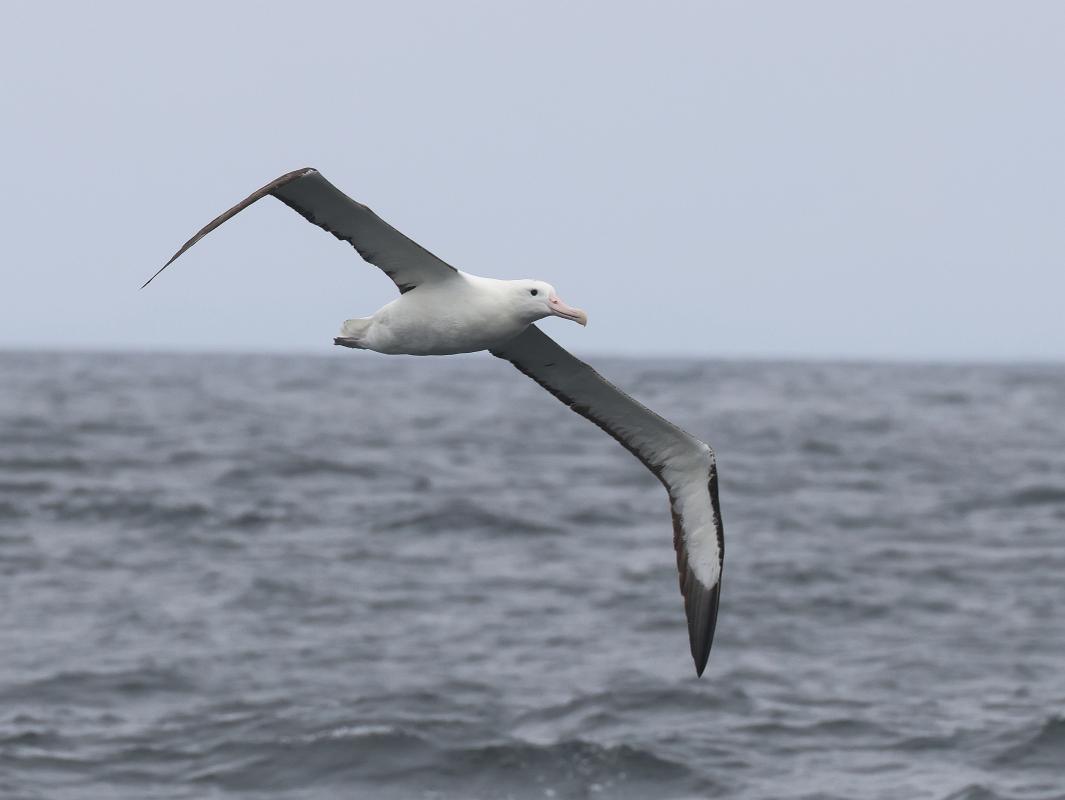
point(537, 299)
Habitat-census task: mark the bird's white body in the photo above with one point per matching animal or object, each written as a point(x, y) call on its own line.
point(462, 314)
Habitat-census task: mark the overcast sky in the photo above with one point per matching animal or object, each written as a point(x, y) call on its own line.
point(842, 179)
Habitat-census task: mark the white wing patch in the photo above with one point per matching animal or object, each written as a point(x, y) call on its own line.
point(692, 504)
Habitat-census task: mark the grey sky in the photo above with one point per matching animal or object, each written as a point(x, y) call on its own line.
point(771, 179)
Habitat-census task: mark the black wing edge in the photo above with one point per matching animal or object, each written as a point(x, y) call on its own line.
point(270, 188)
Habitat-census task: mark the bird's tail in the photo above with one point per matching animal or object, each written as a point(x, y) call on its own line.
point(352, 333)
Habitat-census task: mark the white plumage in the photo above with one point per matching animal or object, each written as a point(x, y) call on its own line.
point(460, 313)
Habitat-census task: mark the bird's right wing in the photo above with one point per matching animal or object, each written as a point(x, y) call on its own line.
point(305, 191)
point(683, 464)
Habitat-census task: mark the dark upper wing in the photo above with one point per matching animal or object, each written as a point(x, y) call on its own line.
point(683, 464)
point(406, 262)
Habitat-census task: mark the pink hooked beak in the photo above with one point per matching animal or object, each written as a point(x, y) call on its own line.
point(560, 309)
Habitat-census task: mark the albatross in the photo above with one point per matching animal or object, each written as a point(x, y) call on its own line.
point(442, 310)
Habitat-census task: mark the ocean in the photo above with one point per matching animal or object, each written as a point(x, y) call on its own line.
point(355, 576)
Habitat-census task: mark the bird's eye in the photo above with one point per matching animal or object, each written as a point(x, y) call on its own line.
point(533, 292)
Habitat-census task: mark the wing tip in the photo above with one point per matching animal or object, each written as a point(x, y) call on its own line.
point(156, 275)
point(275, 184)
point(702, 606)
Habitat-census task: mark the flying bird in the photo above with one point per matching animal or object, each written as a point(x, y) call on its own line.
point(442, 310)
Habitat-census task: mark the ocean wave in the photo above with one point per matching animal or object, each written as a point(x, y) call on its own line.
point(102, 688)
point(26, 487)
point(265, 514)
point(353, 753)
point(974, 791)
point(839, 728)
point(464, 515)
point(1044, 748)
point(102, 506)
point(11, 511)
point(637, 697)
point(265, 592)
point(34, 739)
point(378, 753)
point(301, 468)
point(1040, 495)
point(42, 463)
point(571, 768)
point(947, 398)
point(820, 447)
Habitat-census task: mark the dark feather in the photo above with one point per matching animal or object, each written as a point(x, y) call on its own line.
point(314, 198)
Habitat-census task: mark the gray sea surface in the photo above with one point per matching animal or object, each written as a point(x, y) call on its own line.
point(373, 577)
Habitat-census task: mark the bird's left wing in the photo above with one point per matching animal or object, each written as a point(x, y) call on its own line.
point(683, 464)
point(305, 191)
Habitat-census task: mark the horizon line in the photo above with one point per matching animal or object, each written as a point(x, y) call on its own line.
point(754, 357)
